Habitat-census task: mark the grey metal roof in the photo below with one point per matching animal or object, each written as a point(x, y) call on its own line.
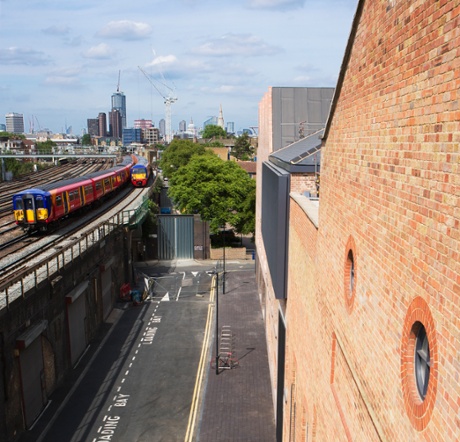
point(301, 155)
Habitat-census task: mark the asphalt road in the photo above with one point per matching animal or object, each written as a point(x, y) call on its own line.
point(140, 384)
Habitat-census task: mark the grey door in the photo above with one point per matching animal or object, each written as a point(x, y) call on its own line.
point(175, 237)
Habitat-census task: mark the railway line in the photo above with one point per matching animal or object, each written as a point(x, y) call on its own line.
point(45, 255)
point(10, 233)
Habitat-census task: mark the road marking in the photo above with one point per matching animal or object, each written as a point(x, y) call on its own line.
point(178, 293)
point(199, 377)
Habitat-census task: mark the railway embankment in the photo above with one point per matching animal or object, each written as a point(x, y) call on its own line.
point(50, 313)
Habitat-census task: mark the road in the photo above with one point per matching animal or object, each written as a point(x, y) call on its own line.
point(142, 381)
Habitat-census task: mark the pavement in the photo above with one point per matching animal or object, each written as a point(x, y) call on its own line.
point(237, 403)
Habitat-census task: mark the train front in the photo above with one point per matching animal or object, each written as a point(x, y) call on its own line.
point(139, 175)
point(32, 209)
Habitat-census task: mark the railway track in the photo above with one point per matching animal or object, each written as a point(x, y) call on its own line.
point(29, 250)
point(10, 234)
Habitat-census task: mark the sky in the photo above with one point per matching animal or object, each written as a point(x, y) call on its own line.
point(61, 60)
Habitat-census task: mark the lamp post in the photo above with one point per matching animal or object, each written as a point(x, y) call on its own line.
point(223, 281)
point(217, 322)
point(216, 274)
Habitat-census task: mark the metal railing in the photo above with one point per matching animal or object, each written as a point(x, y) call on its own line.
point(28, 279)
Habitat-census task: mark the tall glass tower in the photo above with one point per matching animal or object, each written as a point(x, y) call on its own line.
point(119, 104)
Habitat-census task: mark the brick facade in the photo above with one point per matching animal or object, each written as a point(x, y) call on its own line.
point(390, 193)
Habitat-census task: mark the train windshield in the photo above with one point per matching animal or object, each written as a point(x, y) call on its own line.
point(39, 202)
point(18, 203)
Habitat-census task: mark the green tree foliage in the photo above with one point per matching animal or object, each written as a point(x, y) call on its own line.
point(149, 225)
point(46, 147)
point(178, 154)
point(214, 143)
point(243, 149)
point(220, 191)
point(17, 167)
point(86, 140)
point(213, 131)
point(13, 136)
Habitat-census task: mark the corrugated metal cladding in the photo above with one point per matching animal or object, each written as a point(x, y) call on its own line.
point(298, 109)
point(175, 237)
point(275, 213)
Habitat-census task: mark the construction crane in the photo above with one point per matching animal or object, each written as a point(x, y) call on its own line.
point(169, 99)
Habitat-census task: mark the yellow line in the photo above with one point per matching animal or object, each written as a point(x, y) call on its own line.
point(200, 374)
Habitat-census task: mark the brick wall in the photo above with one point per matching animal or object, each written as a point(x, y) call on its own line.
point(390, 193)
point(303, 182)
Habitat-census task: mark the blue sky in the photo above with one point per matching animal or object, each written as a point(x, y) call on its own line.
point(60, 59)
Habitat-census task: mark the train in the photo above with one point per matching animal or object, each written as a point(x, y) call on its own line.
point(39, 208)
point(140, 172)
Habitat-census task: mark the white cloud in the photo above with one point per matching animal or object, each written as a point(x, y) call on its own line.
point(276, 4)
point(23, 56)
point(126, 30)
point(56, 30)
point(101, 51)
point(237, 44)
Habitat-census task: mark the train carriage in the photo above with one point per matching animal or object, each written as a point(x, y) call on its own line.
point(36, 209)
point(140, 172)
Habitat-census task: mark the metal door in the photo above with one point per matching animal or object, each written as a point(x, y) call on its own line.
point(175, 237)
point(32, 377)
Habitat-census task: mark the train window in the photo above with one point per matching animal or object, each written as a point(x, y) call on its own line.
point(98, 185)
point(58, 200)
point(29, 205)
point(73, 195)
point(39, 203)
point(19, 205)
point(88, 190)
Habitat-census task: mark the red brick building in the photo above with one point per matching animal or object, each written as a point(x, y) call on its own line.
point(363, 326)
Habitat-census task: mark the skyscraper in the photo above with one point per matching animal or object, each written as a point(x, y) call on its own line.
point(162, 127)
point(119, 104)
point(15, 123)
point(102, 123)
point(93, 127)
point(115, 123)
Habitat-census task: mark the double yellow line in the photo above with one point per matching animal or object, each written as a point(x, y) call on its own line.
point(201, 370)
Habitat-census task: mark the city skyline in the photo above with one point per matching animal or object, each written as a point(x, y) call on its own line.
point(69, 58)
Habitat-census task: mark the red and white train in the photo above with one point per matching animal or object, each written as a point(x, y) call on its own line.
point(38, 208)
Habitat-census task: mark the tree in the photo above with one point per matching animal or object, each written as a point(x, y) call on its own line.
point(178, 154)
point(46, 147)
point(220, 191)
point(213, 131)
point(12, 136)
point(243, 149)
point(86, 140)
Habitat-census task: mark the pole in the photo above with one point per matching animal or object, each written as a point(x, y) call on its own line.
point(223, 282)
point(217, 322)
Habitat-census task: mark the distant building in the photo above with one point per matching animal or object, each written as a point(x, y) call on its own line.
point(182, 126)
point(102, 123)
point(115, 124)
point(93, 127)
point(131, 135)
point(211, 121)
point(151, 135)
point(220, 120)
point(143, 124)
point(15, 123)
point(2, 127)
point(230, 127)
point(119, 104)
point(162, 127)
